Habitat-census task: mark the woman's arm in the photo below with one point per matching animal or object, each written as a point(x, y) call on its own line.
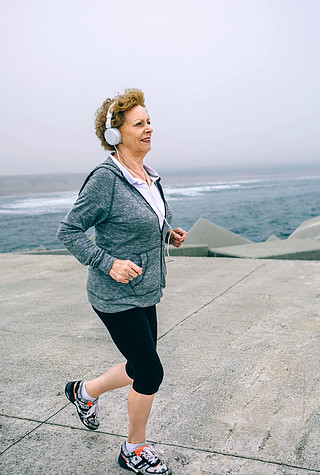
point(91, 207)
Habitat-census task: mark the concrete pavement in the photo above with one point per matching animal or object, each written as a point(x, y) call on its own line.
point(239, 340)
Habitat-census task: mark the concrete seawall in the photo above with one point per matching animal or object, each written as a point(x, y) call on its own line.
point(239, 340)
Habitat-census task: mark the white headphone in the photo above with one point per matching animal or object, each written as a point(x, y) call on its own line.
point(112, 134)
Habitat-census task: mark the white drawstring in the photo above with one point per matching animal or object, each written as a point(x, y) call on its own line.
point(172, 259)
point(171, 230)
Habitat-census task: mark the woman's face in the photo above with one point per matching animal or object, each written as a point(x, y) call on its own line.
point(136, 131)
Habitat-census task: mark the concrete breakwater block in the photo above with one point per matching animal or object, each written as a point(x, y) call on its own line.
point(293, 249)
point(206, 232)
point(309, 229)
point(273, 238)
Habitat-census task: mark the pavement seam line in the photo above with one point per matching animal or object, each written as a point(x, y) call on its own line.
point(167, 444)
point(32, 430)
point(244, 457)
point(56, 424)
point(210, 301)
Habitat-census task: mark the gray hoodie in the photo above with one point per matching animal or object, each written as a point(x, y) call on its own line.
point(126, 227)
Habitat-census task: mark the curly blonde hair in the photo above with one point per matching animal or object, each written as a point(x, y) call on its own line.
point(120, 104)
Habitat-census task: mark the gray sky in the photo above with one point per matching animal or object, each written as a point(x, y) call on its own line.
point(227, 82)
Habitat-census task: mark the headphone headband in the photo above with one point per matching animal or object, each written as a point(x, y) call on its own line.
point(112, 134)
point(109, 116)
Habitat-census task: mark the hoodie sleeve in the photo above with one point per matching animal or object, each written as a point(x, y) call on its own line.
point(92, 207)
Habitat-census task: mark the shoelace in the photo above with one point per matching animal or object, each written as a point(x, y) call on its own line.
point(151, 454)
point(94, 410)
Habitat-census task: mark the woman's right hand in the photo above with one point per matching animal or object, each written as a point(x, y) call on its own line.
point(124, 271)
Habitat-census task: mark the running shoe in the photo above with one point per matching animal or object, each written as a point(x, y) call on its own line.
point(145, 460)
point(88, 411)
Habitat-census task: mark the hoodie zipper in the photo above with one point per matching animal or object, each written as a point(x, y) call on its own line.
point(111, 166)
point(159, 187)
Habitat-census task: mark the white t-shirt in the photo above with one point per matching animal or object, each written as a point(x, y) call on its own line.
point(150, 193)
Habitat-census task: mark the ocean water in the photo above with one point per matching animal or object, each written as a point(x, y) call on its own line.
point(253, 208)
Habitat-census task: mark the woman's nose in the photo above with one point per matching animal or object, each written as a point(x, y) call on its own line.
point(149, 129)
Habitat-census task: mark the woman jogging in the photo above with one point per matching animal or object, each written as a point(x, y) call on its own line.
point(123, 199)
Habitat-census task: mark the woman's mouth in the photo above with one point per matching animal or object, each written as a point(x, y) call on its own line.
point(146, 140)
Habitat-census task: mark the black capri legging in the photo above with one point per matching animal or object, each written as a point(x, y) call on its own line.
point(134, 332)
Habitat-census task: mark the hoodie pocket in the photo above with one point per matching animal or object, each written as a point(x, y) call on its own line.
point(150, 279)
point(106, 288)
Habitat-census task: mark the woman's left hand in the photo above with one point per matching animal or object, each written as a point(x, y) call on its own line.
point(177, 237)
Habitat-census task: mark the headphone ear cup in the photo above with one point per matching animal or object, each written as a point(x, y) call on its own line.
point(112, 136)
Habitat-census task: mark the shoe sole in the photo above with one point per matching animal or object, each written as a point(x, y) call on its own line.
point(69, 394)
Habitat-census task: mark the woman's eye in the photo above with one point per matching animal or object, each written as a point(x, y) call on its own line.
point(141, 123)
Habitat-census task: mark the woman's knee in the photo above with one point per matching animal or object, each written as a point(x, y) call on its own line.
point(148, 380)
